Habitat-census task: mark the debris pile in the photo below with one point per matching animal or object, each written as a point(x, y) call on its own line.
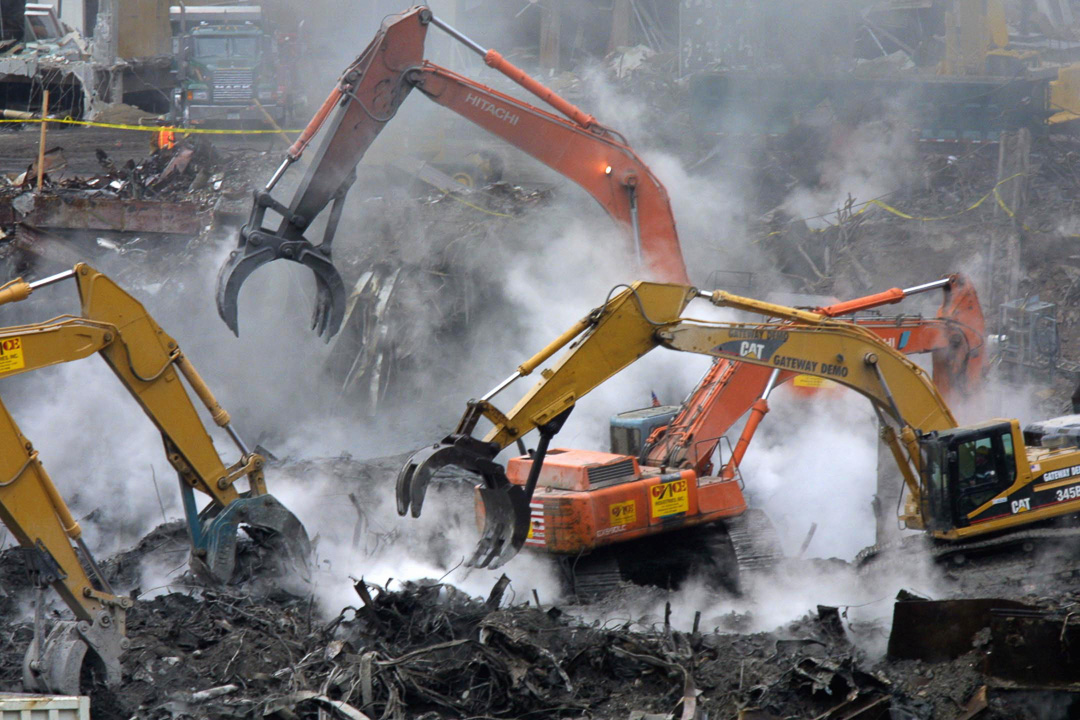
point(193, 170)
point(424, 649)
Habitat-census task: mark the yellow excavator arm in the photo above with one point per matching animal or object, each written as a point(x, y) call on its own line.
point(627, 326)
point(149, 364)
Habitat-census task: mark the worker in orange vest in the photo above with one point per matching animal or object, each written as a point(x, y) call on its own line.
point(166, 139)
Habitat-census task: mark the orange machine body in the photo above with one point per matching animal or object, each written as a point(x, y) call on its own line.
point(587, 499)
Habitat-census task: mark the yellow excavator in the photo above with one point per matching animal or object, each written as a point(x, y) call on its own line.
point(969, 488)
point(150, 365)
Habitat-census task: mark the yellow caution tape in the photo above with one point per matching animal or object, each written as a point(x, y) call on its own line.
point(207, 131)
point(875, 202)
point(149, 128)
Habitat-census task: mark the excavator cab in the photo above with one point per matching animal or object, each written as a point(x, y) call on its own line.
point(631, 429)
point(966, 472)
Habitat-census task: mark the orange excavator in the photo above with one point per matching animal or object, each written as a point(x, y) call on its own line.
point(595, 530)
point(368, 95)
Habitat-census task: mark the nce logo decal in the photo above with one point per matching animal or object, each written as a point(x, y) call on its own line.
point(669, 498)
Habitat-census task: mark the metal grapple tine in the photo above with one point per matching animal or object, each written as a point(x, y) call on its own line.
point(220, 535)
point(506, 506)
point(413, 479)
point(251, 255)
point(231, 276)
point(330, 296)
point(506, 526)
point(60, 664)
point(320, 315)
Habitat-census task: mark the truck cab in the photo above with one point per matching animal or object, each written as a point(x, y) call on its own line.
point(227, 67)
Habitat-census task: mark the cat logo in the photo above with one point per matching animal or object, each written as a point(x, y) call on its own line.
point(1019, 506)
point(751, 350)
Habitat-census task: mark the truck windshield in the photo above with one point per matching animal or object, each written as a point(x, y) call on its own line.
point(237, 46)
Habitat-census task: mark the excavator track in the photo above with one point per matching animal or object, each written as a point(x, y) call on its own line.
point(593, 578)
point(960, 552)
point(725, 553)
point(755, 542)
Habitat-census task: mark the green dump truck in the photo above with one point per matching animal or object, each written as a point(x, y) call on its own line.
point(229, 62)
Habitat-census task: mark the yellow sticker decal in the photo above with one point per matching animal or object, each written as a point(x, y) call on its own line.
point(11, 355)
point(811, 381)
point(622, 513)
point(530, 537)
point(669, 498)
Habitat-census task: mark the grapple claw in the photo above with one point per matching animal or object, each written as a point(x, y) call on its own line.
point(220, 533)
point(416, 473)
point(231, 276)
point(506, 526)
point(259, 248)
point(506, 507)
point(507, 514)
point(459, 451)
point(72, 652)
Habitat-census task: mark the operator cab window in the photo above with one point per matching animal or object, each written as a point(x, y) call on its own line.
point(985, 468)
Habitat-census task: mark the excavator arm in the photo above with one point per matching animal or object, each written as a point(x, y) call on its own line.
point(625, 328)
point(728, 389)
point(149, 364)
point(597, 159)
point(35, 513)
point(368, 95)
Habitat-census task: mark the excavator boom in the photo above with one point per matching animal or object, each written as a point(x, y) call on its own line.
point(368, 95)
point(729, 388)
point(597, 159)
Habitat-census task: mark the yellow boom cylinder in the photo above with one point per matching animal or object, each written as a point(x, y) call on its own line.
point(220, 414)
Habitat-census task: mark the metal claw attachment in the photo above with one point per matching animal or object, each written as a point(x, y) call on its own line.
point(250, 256)
point(506, 509)
point(506, 513)
point(60, 664)
point(257, 247)
point(218, 535)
